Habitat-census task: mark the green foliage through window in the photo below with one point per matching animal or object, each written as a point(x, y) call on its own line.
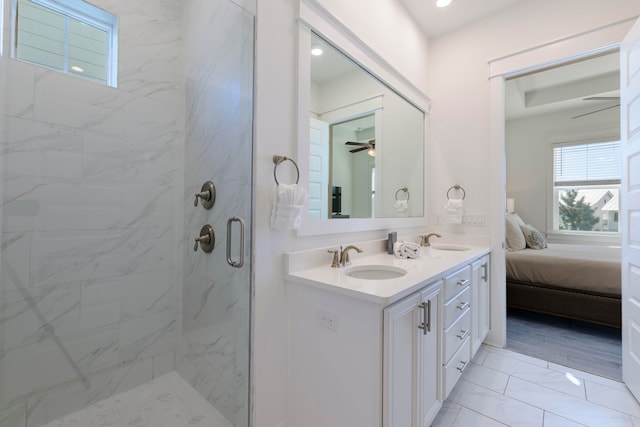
point(576, 214)
point(586, 184)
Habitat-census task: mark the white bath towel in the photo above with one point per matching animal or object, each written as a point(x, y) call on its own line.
point(406, 250)
point(287, 206)
point(455, 211)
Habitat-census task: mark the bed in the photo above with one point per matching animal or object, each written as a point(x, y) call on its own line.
point(572, 281)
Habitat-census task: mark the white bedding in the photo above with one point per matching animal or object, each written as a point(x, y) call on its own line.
point(593, 269)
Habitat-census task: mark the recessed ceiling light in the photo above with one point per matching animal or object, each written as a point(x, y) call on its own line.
point(443, 3)
point(316, 50)
point(77, 69)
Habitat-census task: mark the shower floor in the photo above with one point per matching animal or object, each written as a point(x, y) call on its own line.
point(167, 401)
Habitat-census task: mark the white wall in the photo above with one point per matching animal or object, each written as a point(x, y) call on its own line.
point(466, 128)
point(384, 25)
point(528, 153)
point(459, 86)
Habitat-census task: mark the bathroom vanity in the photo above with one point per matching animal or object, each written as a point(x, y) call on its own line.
point(382, 351)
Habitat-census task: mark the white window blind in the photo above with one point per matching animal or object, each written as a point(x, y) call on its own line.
point(71, 36)
point(587, 164)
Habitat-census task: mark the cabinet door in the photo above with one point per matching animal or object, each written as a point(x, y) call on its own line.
point(429, 355)
point(400, 380)
point(480, 287)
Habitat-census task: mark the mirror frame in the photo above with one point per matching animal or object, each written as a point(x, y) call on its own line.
point(314, 18)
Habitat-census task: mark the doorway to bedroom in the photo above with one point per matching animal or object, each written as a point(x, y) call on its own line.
point(562, 133)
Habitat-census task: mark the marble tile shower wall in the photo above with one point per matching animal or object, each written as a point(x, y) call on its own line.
point(218, 147)
point(91, 209)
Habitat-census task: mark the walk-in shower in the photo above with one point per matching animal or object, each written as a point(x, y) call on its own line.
point(100, 287)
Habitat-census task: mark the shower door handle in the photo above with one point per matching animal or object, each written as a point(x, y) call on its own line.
point(230, 261)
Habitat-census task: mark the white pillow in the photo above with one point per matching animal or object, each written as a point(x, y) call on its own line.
point(534, 238)
point(515, 240)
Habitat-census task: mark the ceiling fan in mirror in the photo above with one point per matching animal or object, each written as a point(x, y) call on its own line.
point(600, 98)
point(369, 146)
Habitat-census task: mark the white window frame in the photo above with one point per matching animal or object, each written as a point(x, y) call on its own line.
point(84, 12)
point(574, 236)
point(2, 21)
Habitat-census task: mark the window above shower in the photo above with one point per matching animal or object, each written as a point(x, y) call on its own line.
point(70, 36)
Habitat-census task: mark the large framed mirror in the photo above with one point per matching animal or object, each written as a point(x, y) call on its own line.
point(361, 136)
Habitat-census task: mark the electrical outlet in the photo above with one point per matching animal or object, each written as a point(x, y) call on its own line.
point(328, 320)
point(437, 218)
point(473, 218)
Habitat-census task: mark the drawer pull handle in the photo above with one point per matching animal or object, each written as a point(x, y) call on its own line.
point(485, 274)
point(463, 334)
point(462, 368)
point(463, 282)
point(462, 305)
point(426, 317)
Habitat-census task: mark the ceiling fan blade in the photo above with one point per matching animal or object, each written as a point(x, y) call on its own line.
point(602, 98)
point(356, 143)
point(596, 111)
point(355, 150)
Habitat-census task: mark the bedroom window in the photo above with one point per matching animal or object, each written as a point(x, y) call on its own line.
point(586, 187)
point(70, 36)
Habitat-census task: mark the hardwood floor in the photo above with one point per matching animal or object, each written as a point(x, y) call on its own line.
point(589, 348)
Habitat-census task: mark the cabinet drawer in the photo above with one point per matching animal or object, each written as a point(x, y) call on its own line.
point(456, 306)
point(456, 366)
point(456, 282)
point(456, 334)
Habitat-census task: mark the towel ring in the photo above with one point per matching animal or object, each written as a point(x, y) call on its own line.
point(279, 159)
point(456, 187)
point(406, 190)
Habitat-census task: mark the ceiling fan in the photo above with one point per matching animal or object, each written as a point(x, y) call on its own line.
point(371, 146)
point(600, 98)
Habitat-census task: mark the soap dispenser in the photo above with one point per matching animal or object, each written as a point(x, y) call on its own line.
point(392, 238)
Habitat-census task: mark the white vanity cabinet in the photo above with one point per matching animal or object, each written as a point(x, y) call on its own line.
point(456, 330)
point(411, 371)
point(480, 301)
point(382, 353)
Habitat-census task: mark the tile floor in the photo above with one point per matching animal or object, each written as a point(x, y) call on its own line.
point(500, 388)
point(503, 388)
point(167, 401)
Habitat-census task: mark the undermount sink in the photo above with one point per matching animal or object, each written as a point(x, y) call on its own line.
point(375, 272)
point(450, 247)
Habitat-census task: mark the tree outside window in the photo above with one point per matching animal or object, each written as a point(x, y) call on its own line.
point(576, 214)
point(586, 187)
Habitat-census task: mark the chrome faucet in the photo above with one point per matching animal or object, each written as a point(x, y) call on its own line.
point(344, 254)
point(424, 239)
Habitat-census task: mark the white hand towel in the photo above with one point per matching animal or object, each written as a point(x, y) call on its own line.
point(401, 206)
point(287, 206)
point(406, 250)
point(455, 212)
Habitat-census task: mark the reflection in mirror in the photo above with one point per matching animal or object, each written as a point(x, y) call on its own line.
point(366, 143)
point(353, 167)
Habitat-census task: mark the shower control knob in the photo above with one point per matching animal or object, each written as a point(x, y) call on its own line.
point(207, 239)
point(207, 194)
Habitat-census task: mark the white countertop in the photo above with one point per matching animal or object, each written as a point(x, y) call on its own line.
point(432, 265)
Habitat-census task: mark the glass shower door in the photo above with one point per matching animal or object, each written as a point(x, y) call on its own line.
point(218, 148)
point(101, 290)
